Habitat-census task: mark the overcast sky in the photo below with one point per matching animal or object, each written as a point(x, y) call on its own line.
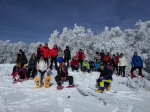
point(34, 20)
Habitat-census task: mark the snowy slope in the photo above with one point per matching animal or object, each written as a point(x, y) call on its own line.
point(23, 97)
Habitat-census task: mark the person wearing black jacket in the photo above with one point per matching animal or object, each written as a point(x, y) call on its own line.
point(67, 55)
point(105, 79)
point(62, 75)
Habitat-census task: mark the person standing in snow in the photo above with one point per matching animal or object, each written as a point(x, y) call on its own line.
point(21, 58)
point(41, 68)
point(122, 63)
point(74, 64)
point(116, 59)
point(60, 57)
point(137, 63)
point(32, 66)
point(62, 75)
point(102, 55)
point(39, 52)
point(107, 59)
point(45, 52)
point(80, 56)
point(53, 56)
point(105, 79)
point(67, 55)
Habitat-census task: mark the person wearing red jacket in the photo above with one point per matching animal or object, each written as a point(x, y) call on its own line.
point(107, 59)
point(45, 52)
point(74, 64)
point(80, 57)
point(53, 55)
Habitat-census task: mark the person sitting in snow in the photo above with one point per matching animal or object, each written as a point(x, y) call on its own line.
point(21, 58)
point(85, 66)
point(104, 80)
point(80, 56)
point(62, 75)
point(32, 66)
point(74, 64)
point(19, 73)
point(92, 67)
point(41, 68)
point(60, 56)
point(137, 63)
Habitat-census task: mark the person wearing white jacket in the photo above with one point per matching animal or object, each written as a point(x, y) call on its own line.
point(122, 63)
point(41, 67)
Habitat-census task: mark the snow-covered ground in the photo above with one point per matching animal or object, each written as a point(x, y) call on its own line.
point(24, 97)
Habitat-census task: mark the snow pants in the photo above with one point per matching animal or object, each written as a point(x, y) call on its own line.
point(53, 59)
point(84, 69)
point(74, 68)
point(33, 70)
point(103, 83)
point(58, 80)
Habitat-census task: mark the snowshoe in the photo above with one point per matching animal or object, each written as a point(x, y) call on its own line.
point(47, 81)
point(60, 87)
point(72, 86)
point(99, 91)
point(37, 82)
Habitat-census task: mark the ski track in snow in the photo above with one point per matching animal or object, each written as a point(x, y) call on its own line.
point(24, 97)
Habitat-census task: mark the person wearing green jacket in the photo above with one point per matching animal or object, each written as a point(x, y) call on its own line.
point(85, 66)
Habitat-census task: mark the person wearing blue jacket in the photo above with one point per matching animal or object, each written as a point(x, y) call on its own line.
point(32, 66)
point(137, 63)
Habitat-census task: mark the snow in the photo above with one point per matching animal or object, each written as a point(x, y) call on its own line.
point(24, 97)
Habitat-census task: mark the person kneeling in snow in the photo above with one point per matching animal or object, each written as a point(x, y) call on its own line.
point(85, 66)
point(41, 67)
point(74, 64)
point(62, 75)
point(19, 73)
point(105, 79)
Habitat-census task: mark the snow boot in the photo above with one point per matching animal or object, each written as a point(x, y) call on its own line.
point(141, 76)
point(99, 91)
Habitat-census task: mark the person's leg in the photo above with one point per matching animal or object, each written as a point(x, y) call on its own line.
point(55, 61)
point(140, 71)
point(83, 69)
point(119, 71)
point(51, 65)
point(76, 68)
point(46, 60)
point(123, 69)
point(73, 68)
point(70, 78)
point(67, 62)
point(33, 72)
point(101, 84)
point(58, 79)
point(132, 70)
point(14, 68)
point(29, 72)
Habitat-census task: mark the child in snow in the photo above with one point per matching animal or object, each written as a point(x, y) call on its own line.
point(104, 80)
point(62, 75)
point(74, 64)
point(85, 66)
point(19, 73)
point(32, 66)
point(41, 67)
point(92, 67)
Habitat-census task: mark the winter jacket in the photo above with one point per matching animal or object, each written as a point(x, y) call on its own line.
point(60, 54)
point(45, 51)
point(82, 56)
point(32, 63)
point(97, 57)
point(62, 71)
point(102, 55)
point(41, 65)
point(86, 64)
point(21, 58)
point(107, 58)
point(74, 62)
point(67, 53)
point(116, 60)
point(122, 61)
point(137, 61)
point(54, 53)
point(39, 52)
point(106, 73)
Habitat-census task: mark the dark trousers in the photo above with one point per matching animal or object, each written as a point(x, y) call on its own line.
point(58, 80)
point(53, 59)
point(122, 71)
point(134, 68)
point(14, 68)
point(33, 72)
point(84, 69)
point(46, 60)
point(80, 61)
point(115, 67)
point(67, 60)
point(74, 68)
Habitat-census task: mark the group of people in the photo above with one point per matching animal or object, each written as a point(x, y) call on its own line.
point(103, 63)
